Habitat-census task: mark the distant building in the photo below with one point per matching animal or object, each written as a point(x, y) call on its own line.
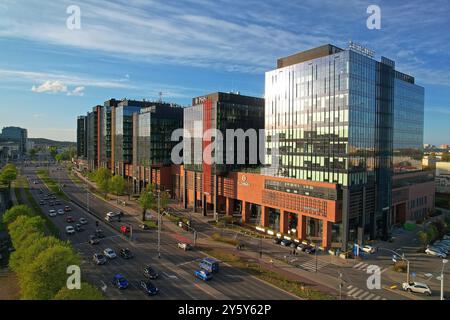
point(429, 162)
point(443, 147)
point(82, 137)
point(17, 135)
point(442, 177)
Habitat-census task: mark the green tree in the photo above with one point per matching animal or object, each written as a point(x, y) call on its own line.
point(446, 157)
point(8, 175)
point(30, 250)
point(117, 186)
point(45, 277)
point(53, 152)
point(87, 292)
point(432, 233)
point(423, 237)
point(24, 227)
point(16, 211)
point(147, 200)
point(33, 154)
point(164, 200)
point(101, 178)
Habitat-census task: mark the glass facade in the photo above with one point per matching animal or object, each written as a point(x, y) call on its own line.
point(123, 151)
point(408, 126)
point(105, 138)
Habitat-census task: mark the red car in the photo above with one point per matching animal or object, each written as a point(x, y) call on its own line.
point(67, 209)
point(69, 219)
point(125, 229)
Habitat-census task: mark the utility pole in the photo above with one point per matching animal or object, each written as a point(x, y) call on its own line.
point(87, 197)
point(159, 225)
point(340, 285)
point(444, 261)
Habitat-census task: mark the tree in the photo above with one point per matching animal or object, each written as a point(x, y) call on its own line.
point(423, 237)
point(432, 233)
point(446, 157)
point(8, 175)
point(101, 178)
point(24, 227)
point(30, 249)
point(16, 211)
point(117, 186)
point(32, 153)
point(87, 292)
point(45, 277)
point(147, 200)
point(53, 152)
point(164, 200)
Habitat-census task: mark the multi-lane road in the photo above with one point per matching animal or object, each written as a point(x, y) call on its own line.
point(176, 267)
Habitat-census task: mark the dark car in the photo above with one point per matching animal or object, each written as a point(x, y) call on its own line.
point(285, 243)
point(149, 288)
point(42, 203)
point(70, 219)
point(294, 245)
point(94, 240)
point(150, 273)
point(302, 247)
point(67, 209)
point(99, 233)
point(144, 227)
point(57, 202)
point(78, 228)
point(277, 241)
point(51, 204)
point(99, 259)
point(126, 253)
point(310, 250)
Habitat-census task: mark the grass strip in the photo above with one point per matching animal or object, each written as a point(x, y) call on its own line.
point(51, 184)
point(257, 270)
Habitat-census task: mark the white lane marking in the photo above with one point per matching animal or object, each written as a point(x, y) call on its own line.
point(363, 295)
point(352, 291)
point(370, 297)
point(357, 293)
point(359, 264)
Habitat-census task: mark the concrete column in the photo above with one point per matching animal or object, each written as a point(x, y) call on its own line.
point(264, 216)
point(245, 212)
point(284, 223)
point(185, 190)
point(229, 206)
point(215, 196)
point(301, 227)
point(326, 234)
point(195, 191)
point(204, 205)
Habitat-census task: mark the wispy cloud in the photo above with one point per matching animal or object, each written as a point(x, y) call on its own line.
point(77, 92)
point(50, 87)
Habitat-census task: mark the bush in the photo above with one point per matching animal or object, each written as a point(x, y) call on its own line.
point(400, 266)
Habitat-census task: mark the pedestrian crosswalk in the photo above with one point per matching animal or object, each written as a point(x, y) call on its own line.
point(360, 294)
point(363, 267)
point(312, 265)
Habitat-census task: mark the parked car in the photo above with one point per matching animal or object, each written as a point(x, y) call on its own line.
point(285, 242)
point(57, 203)
point(70, 219)
point(42, 203)
point(70, 230)
point(277, 241)
point(150, 273)
point(99, 259)
point(368, 249)
point(120, 282)
point(417, 287)
point(149, 288)
point(83, 221)
point(109, 253)
point(310, 250)
point(61, 212)
point(144, 227)
point(51, 204)
point(294, 245)
point(434, 252)
point(302, 247)
point(184, 246)
point(52, 213)
point(126, 253)
point(203, 275)
point(94, 240)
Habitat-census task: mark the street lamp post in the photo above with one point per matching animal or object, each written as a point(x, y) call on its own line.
point(159, 225)
point(87, 197)
point(444, 262)
point(402, 256)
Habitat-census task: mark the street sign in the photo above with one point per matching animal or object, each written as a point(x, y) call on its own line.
point(413, 274)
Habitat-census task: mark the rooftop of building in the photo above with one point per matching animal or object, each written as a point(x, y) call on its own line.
point(234, 97)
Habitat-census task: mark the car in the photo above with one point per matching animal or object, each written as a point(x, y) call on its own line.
point(110, 216)
point(109, 253)
point(149, 288)
point(368, 249)
point(70, 219)
point(434, 252)
point(144, 227)
point(99, 233)
point(78, 228)
point(94, 240)
point(67, 209)
point(120, 282)
point(302, 247)
point(277, 241)
point(150, 273)
point(70, 230)
point(51, 204)
point(126, 253)
point(57, 203)
point(99, 259)
point(446, 237)
point(184, 246)
point(285, 242)
point(52, 213)
point(294, 245)
point(310, 250)
point(42, 203)
point(417, 287)
point(61, 212)
point(83, 221)
point(203, 275)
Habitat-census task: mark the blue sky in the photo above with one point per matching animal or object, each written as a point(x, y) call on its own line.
point(184, 48)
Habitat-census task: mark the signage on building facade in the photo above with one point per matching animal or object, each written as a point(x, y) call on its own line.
point(361, 49)
point(244, 181)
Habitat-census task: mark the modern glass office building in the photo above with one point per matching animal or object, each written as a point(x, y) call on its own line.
point(332, 115)
point(82, 137)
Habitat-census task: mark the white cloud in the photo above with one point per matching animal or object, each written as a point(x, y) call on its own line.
point(78, 92)
point(50, 87)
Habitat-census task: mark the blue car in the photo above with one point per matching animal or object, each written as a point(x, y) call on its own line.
point(120, 282)
point(203, 275)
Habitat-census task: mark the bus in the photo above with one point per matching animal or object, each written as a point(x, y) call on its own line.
point(209, 264)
